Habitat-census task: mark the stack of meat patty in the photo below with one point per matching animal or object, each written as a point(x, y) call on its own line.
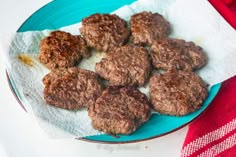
point(132, 54)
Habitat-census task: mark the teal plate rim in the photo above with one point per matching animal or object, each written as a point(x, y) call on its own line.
point(37, 21)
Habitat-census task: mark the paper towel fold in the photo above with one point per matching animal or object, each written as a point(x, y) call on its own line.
point(190, 20)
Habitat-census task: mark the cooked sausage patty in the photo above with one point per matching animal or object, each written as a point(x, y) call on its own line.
point(177, 92)
point(126, 65)
point(61, 49)
point(147, 27)
point(71, 88)
point(104, 31)
point(119, 110)
point(178, 54)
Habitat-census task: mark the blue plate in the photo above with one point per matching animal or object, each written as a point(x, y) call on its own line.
point(60, 13)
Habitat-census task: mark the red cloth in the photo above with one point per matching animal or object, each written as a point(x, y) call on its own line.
point(227, 8)
point(214, 132)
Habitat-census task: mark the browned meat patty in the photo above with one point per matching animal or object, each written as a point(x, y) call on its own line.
point(120, 110)
point(177, 92)
point(71, 88)
point(104, 31)
point(178, 54)
point(126, 65)
point(61, 49)
point(147, 27)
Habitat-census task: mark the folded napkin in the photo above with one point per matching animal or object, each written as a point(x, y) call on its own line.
point(214, 132)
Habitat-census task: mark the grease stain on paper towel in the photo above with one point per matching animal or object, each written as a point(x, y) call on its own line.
point(25, 59)
point(199, 40)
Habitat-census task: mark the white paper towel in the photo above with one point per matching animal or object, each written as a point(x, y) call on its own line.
point(190, 20)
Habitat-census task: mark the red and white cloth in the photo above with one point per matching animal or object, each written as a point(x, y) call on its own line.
point(227, 8)
point(214, 132)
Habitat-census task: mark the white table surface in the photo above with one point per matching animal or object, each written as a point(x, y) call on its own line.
point(21, 137)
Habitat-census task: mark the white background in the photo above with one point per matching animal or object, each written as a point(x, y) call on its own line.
point(21, 137)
